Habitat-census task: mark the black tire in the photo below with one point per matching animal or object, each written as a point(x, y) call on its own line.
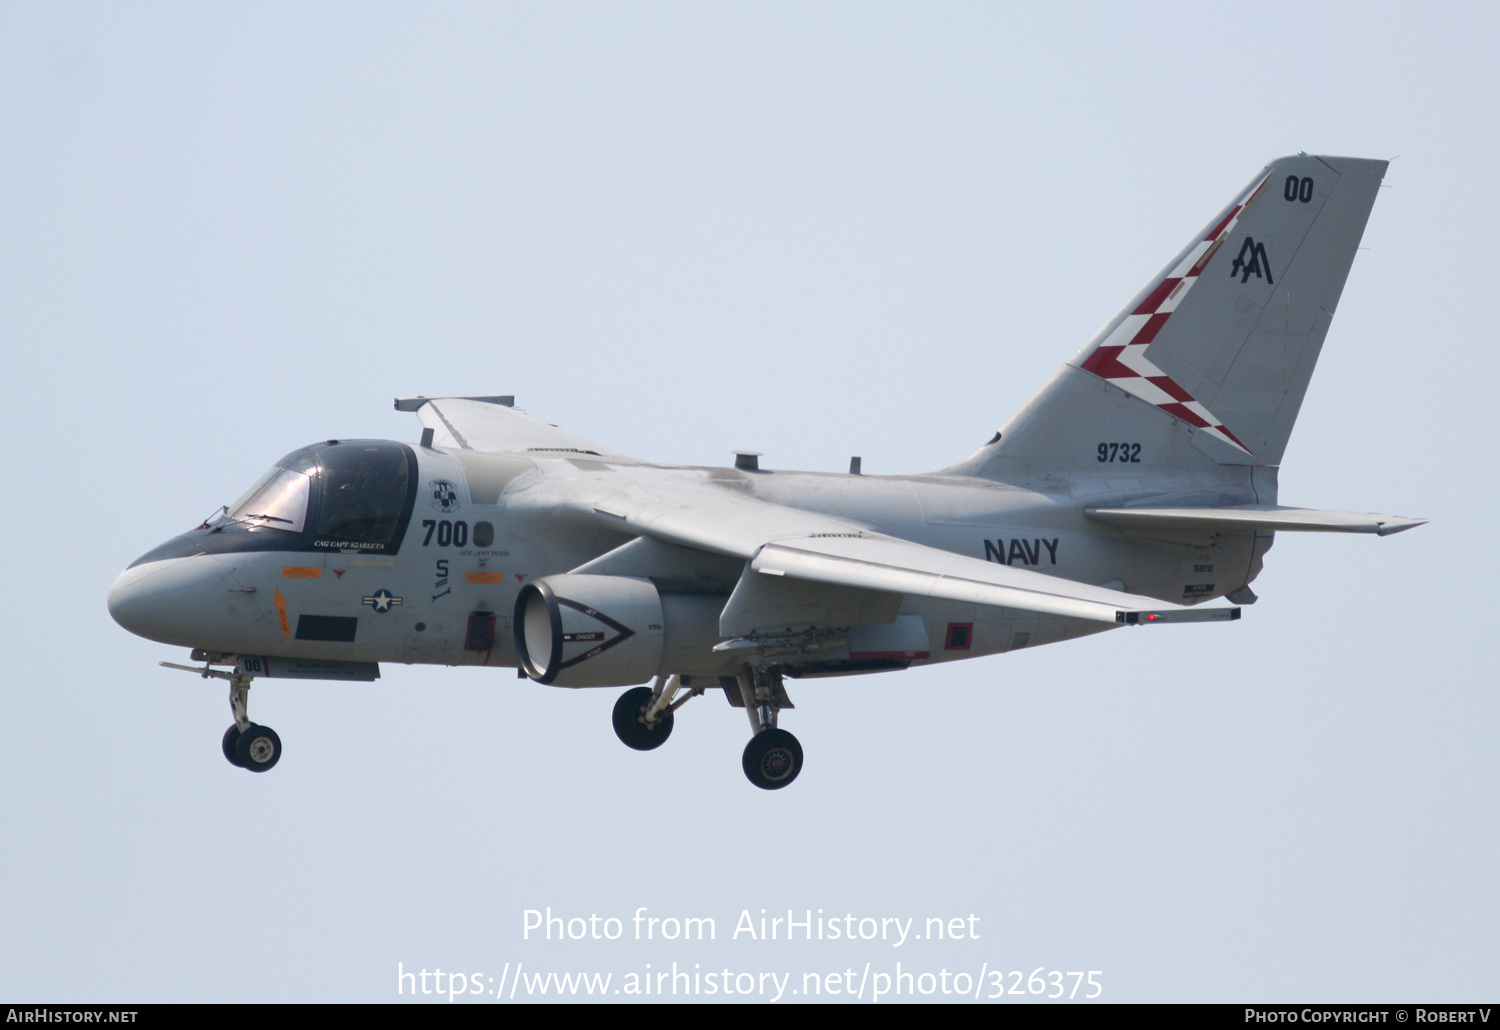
point(231, 738)
point(258, 749)
point(632, 729)
point(773, 758)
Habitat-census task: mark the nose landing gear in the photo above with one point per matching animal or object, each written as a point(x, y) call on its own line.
point(245, 744)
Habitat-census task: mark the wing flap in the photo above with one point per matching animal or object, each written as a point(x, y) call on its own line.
point(900, 566)
point(1252, 517)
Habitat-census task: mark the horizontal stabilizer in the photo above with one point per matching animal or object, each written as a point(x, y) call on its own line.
point(1187, 615)
point(899, 566)
point(1242, 517)
point(415, 403)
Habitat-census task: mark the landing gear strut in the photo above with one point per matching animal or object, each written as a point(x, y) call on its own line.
point(256, 748)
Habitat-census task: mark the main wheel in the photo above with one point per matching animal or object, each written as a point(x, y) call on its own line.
point(773, 758)
point(258, 749)
point(231, 738)
point(630, 724)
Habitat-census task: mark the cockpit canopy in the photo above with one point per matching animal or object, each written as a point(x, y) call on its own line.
point(337, 495)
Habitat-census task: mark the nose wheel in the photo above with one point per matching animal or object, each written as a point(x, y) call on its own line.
point(231, 738)
point(256, 748)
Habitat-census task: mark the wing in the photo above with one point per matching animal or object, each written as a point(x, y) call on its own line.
point(778, 541)
point(492, 424)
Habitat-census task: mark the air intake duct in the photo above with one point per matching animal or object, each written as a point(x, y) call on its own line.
point(589, 631)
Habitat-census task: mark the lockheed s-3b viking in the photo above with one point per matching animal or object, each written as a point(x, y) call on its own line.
point(1139, 484)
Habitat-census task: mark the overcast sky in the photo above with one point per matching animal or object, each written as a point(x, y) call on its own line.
point(812, 230)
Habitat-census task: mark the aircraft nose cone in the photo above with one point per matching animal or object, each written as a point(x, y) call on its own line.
point(169, 601)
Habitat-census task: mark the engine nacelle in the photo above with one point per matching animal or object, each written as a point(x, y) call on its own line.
point(589, 631)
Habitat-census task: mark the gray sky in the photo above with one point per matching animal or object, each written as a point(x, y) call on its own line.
point(813, 230)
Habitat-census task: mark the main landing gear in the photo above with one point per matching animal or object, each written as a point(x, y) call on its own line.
point(643, 715)
point(772, 758)
point(245, 744)
point(631, 725)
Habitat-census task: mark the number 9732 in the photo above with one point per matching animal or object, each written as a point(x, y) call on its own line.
point(1120, 452)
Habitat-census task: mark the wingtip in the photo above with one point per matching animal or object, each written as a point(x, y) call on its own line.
point(1399, 526)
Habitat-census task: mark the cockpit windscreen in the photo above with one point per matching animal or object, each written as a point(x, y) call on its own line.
point(278, 501)
point(351, 494)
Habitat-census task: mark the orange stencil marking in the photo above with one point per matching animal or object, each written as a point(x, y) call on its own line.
point(286, 624)
point(483, 577)
point(301, 572)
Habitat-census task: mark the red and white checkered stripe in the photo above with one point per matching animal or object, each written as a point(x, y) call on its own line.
point(1121, 358)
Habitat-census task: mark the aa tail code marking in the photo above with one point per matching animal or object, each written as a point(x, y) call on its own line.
point(1252, 260)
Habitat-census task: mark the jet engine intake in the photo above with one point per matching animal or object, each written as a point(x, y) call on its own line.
point(589, 631)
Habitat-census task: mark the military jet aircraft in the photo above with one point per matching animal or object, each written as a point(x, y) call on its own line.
point(1137, 485)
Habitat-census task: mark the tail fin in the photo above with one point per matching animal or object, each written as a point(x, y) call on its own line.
point(1209, 363)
